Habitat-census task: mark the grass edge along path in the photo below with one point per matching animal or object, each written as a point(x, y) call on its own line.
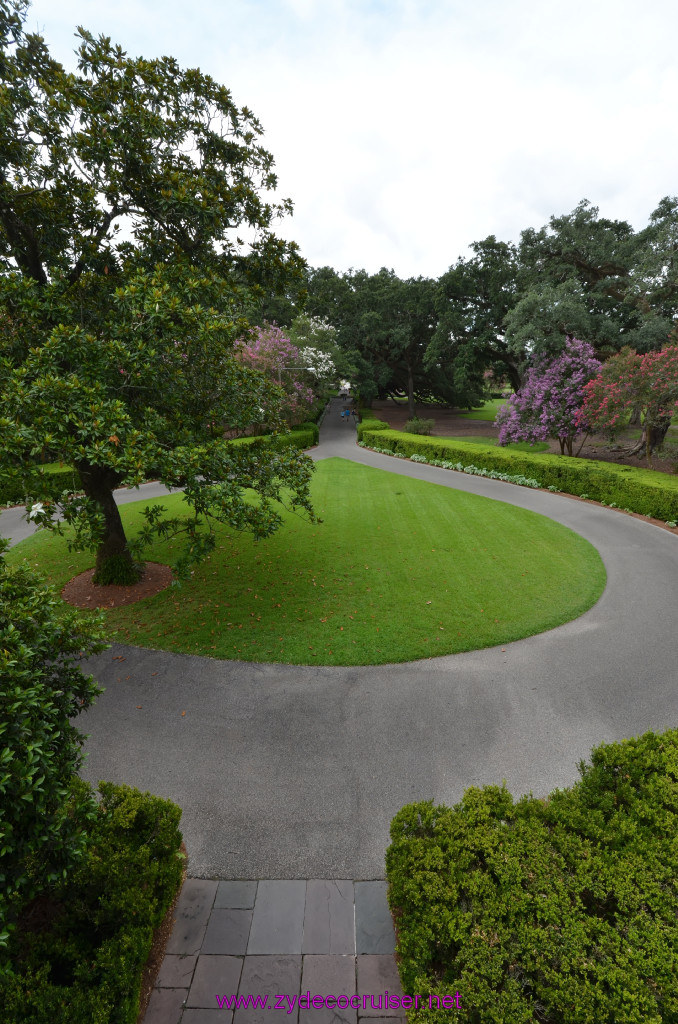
point(400, 569)
point(643, 491)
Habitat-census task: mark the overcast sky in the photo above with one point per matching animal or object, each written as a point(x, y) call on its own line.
point(404, 130)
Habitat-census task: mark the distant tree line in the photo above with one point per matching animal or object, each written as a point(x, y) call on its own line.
point(477, 326)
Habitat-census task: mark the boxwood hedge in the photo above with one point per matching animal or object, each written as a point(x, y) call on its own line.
point(638, 490)
point(83, 964)
point(59, 478)
point(370, 426)
point(562, 910)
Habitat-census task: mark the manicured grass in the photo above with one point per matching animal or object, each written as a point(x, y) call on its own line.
point(400, 569)
point(486, 412)
point(516, 446)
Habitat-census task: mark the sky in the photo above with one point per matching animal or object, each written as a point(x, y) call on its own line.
point(404, 130)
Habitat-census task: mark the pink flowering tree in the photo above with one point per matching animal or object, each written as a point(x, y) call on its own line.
point(630, 381)
point(549, 403)
point(269, 350)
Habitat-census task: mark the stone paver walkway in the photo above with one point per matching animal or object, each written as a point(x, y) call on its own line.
point(282, 942)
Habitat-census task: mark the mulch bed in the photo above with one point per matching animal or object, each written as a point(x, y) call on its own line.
point(82, 593)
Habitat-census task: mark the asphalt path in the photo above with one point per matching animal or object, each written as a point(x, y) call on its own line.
point(289, 771)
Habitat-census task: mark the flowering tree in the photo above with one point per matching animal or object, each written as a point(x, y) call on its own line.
point(550, 400)
point(647, 382)
point(269, 350)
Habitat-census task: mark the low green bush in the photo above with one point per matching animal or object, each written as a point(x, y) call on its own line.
point(560, 910)
point(372, 426)
point(639, 490)
point(312, 426)
point(417, 426)
point(15, 484)
point(42, 690)
point(303, 437)
point(84, 964)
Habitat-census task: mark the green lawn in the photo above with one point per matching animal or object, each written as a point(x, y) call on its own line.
point(516, 446)
point(400, 569)
point(486, 412)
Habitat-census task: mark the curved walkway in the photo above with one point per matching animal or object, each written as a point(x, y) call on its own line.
point(295, 772)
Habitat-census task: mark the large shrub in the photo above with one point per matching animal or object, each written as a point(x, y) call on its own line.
point(42, 688)
point(84, 964)
point(419, 426)
point(560, 910)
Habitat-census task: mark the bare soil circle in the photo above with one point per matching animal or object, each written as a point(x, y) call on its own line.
point(82, 593)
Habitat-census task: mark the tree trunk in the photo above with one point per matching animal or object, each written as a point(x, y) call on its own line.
point(652, 437)
point(410, 391)
point(114, 563)
point(634, 419)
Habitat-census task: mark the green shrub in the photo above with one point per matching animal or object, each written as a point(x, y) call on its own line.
point(15, 483)
point(119, 570)
point(558, 910)
point(372, 426)
point(86, 964)
point(313, 427)
point(301, 438)
point(641, 490)
point(42, 688)
point(417, 426)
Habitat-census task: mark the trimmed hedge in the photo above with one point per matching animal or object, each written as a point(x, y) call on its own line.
point(60, 478)
point(560, 910)
point(371, 426)
point(84, 965)
point(636, 490)
point(302, 437)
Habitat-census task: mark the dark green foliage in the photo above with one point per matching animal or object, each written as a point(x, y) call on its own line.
point(561, 911)
point(117, 347)
point(639, 490)
point(313, 427)
point(372, 426)
point(117, 570)
point(86, 965)
point(17, 484)
point(418, 426)
point(42, 688)
point(298, 439)
point(471, 301)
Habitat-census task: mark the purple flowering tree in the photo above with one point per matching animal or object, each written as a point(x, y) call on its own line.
point(549, 403)
point(269, 350)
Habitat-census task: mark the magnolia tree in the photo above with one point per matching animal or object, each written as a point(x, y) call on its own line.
point(549, 403)
point(300, 373)
point(629, 381)
point(125, 188)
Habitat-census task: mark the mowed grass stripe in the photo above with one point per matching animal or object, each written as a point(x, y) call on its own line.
point(399, 569)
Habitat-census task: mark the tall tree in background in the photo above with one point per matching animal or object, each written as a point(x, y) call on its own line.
point(123, 189)
point(576, 276)
point(472, 300)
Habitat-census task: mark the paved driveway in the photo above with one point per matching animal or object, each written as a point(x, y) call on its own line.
point(295, 772)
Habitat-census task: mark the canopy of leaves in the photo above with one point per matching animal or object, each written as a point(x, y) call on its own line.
point(123, 282)
point(597, 278)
